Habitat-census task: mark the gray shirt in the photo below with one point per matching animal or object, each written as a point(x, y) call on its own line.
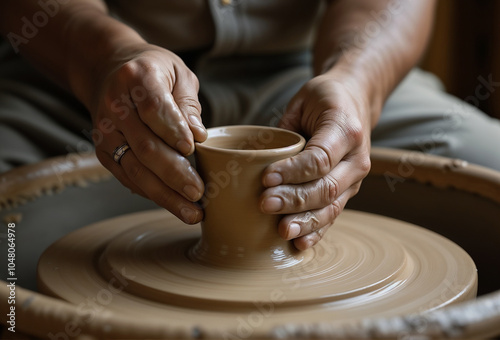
point(227, 27)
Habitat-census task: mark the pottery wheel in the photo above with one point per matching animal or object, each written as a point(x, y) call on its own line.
point(142, 265)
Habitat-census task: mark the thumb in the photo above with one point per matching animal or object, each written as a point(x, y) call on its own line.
point(291, 119)
point(185, 94)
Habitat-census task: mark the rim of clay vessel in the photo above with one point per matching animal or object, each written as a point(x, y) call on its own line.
point(216, 135)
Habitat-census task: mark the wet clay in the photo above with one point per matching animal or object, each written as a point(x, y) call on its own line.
point(235, 232)
point(366, 265)
point(236, 275)
point(24, 184)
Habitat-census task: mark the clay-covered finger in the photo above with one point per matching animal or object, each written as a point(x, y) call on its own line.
point(308, 238)
point(301, 224)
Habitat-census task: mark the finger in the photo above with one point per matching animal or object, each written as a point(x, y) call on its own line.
point(162, 115)
point(118, 173)
point(109, 163)
point(185, 94)
point(310, 240)
point(293, 198)
point(291, 118)
point(157, 108)
point(134, 175)
point(172, 168)
point(158, 192)
point(296, 225)
point(310, 236)
point(327, 147)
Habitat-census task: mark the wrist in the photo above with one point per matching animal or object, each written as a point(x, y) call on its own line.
point(93, 51)
point(361, 86)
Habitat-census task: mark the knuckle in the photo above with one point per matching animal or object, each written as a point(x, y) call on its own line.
point(311, 85)
point(150, 108)
point(176, 172)
point(365, 165)
point(315, 237)
point(334, 210)
point(322, 161)
point(146, 148)
point(300, 199)
point(330, 189)
point(312, 220)
point(127, 70)
point(321, 232)
point(189, 105)
point(192, 78)
point(355, 132)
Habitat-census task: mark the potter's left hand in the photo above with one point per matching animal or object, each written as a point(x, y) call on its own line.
point(313, 187)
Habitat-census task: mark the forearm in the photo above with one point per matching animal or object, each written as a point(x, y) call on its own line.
point(68, 42)
point(374, 43)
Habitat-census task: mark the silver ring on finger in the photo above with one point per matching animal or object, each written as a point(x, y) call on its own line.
point(120, 151)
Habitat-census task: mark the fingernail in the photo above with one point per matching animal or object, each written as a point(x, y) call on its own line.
point(195, 120)
point(273, 179)
point(272, 204)
point(293, 231)
point(189, 215)
point(183, 147)
point(192, 193)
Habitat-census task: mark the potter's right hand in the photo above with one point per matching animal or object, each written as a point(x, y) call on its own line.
point(149, 100)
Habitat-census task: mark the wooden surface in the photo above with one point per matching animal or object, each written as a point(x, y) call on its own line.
point(465, 47)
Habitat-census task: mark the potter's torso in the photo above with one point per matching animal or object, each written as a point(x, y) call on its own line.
point(225, 26)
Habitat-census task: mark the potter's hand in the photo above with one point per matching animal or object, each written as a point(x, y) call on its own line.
point(149, 101)
point(313, 187)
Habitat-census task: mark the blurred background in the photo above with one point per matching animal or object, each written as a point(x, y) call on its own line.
point(466, 46)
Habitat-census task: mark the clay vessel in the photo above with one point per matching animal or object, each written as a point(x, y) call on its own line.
point(234, 231)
